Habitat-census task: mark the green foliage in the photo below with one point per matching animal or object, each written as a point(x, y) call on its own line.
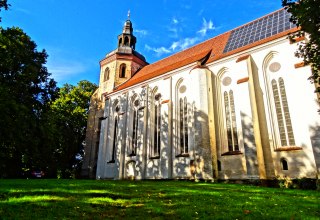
point(3, 4)
point(302, 183)
point(68, 116)
point(25, 92)
point(306, 15)
point(37, 131)
point(285, 182)
point(91, 199)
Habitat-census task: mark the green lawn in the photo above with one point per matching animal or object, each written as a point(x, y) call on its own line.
point(92, 199)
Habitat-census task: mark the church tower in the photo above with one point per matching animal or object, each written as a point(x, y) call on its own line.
point(121, 64)
point(117, 67)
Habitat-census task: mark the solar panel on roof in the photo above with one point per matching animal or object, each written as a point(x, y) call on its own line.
point(258, 30)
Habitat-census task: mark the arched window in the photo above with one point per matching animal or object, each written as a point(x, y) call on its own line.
point(281, 127)
point(183, 128)
point(135, 124)
point(114, 140)
point(115, 133)
point(282, 113)
point(156, 126)
point(126, 41)
point(284, 164)
point(122, 73)
point(106, 74)
point(120, 42)
point(231, 125)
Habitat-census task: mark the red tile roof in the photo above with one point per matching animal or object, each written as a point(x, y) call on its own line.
point(191, 55)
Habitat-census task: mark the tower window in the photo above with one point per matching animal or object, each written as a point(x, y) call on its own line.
point(106, 74)
point(122, 73)
point(126, 41)
point(120, 42)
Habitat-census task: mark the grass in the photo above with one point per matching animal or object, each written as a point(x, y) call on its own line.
point(92, 199)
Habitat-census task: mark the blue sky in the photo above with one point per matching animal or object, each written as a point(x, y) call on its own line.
point(77, 34)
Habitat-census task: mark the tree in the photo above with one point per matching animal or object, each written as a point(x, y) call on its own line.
point(25, 93)
point(306, 15)
point(69, 114)
point(3, 4)
point(37, 129)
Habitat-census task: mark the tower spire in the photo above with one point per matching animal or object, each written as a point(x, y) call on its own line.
point(127, 39)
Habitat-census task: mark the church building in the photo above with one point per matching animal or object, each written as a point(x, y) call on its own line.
point(238, 106)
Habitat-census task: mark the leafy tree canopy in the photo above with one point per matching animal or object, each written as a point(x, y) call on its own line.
point(40, 125)
point(3, 5)
point(69, 115)
point(26, 90)
point(306, 15)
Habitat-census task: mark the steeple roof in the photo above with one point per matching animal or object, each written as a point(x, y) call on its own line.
point(127, 27)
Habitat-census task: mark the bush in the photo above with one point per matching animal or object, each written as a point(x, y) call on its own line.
point(303, 183)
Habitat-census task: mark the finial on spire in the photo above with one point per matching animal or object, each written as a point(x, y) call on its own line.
point(129, 14)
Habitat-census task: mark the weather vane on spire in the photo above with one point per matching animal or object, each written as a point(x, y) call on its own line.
point(129, 14)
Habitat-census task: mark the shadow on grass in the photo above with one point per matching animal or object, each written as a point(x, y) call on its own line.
point(89, 199)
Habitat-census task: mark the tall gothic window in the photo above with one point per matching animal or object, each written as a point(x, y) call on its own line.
point(183, 128)
point(115, 133)
point(122, 73)
point(106, 74)
point(231, 125)
point(114, 144)
point(282, 113)
point(135, 122)
point(156, 126)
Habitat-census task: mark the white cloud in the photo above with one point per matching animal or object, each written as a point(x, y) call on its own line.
point(205, 27)
point(177, 45)
point(175, 27)
point(141, 32)
point(187, 42)
point(184, 43)
point(174, 32)
point(175, 21)
point(159, 51)
point(65, 65)
point(174, 45)
point(62, 70)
